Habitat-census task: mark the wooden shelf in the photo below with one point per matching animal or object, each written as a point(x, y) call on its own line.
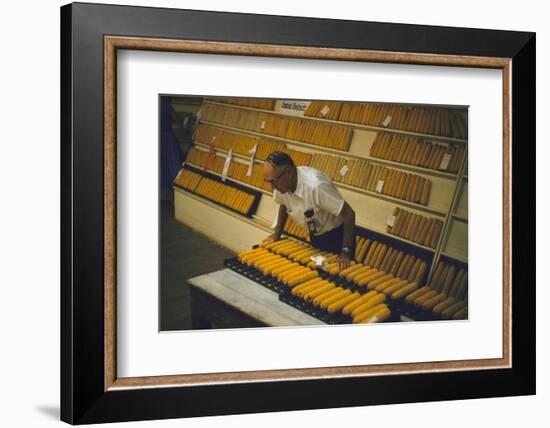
point(266, 226)
point(340, 153)
point(388, 198)
point(382, 196)
point(205, 148)
point(460, 218)
point(455, 256)
point(265, 192)
point(347, 124)
point(398, 238)
point(254, 220)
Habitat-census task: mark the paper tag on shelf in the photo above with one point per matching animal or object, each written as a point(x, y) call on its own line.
point(324, 111)
point(344, 170)
point(252, 151)
point(379, 186)
point(226, 165)
point(209, 157)
point(179, 173)
point(390, 221)
point(319, 261)
point(213, 139)
point(445, 161)
point(251, 161)
point(387, 121)
point(262, 125)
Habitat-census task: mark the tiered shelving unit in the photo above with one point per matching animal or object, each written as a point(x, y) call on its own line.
point(448, 200)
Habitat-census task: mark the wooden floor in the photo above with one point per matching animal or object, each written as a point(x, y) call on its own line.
point(184, 254)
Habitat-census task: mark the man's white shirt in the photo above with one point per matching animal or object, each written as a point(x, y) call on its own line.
point(314, 190)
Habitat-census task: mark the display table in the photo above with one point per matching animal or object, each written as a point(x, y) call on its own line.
point(225, 299)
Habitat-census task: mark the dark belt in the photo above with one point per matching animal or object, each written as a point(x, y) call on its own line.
point(331, 241)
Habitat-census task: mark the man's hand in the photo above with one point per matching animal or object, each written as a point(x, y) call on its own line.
point(271, 238)
point(343, 261)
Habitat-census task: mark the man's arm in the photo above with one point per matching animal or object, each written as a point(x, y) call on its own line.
point(348, 217)
point(281, 220)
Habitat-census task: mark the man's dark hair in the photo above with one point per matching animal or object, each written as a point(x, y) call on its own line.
point(280, 159)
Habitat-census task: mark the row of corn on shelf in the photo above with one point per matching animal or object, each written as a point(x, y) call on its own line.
point(237, 170)
point(317, 133)
point(418, 152)
point(415, 227)
point(221, 193)
point(445, 295)
point(358, 173)
point(245, 144)
point(375, 178)
point(264, 104)
point(426, 120)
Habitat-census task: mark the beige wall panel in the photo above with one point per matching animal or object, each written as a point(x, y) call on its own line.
point(457, 241)
point(237, 234)
point(361, 142)
point(462, 205)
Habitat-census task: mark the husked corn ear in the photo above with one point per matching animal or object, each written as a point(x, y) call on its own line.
point(455, 307)
point(365, 315)
point(346, 310)
point(298, 289)
point(419, 301)
point(311, 294)
point(361, 270)
point(335, 297)
point(274, 265)
point(300, 292)
point(368, 279)
point(373, 301)
point(318, 301)
point(461, 314)
point(417, 293)
point(390, 286)
point(285, 268)
point(380, 280)
point(286, 275)
point(404, 291)
point(381, 314)
point(339, 304)
point(429, 304)
point(356, 266)
point(302, 278)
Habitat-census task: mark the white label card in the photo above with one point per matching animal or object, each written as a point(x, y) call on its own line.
point(262, 125)
point(445, 161)
point(325, 110)
point(344, 170)
point(319, 260)
point(226, 164)
point(379, 186)
point(387, 121)
point(391, 221)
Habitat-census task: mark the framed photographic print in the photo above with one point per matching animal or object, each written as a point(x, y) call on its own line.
point(265, 213)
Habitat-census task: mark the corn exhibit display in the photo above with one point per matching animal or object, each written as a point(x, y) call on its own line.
point(376, 286)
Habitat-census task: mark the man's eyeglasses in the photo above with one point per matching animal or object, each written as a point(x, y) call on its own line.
point(274, 181)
